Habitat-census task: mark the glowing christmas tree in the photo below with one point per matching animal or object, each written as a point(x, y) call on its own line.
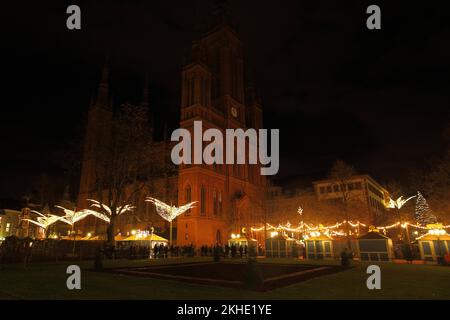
point(423, 213)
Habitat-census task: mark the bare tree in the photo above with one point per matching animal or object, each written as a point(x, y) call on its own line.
point(123, 163)
point(436, 185)
point(341, 174)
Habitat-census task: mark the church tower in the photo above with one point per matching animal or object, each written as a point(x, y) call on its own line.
point(213, 91)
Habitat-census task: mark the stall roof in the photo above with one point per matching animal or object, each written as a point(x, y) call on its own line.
point(77, 238)
point(322, 237)
point(242, 240)
point(431, 237)
point(119, 238)
point(152, 237)
point(374, 236)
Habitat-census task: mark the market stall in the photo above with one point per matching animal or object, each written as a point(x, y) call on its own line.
point(319, 247)
point(375, 246)
point(434, 245)
point(279, 246)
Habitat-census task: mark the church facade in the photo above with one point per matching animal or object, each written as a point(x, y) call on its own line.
point(230, 198)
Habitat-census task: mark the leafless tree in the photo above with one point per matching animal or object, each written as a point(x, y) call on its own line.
point(124, 163)
point(341, 174)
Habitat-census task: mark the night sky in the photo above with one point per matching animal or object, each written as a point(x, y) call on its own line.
point(376, 99)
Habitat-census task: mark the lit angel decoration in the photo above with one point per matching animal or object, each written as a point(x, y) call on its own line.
point(119, 211)
point(71, 217)
point(44, 220)
point(168, 212)
point(399, 203)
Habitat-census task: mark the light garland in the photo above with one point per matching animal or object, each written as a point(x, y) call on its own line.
point(305, 227)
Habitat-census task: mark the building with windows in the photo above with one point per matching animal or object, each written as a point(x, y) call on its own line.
point(9, 223)
point(360, 188)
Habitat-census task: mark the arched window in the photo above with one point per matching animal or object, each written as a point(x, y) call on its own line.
point(191, 92)
point(203, 201)
point(220, 203)
point(188, 197)
point(218, 237)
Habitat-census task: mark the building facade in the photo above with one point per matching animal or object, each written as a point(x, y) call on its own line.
point(361, 188)
point(230, 197)
point(9, 223)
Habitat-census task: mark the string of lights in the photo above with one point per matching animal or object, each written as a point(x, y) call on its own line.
point(305, 227)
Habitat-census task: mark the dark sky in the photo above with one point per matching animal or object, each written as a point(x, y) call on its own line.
point(376, 99)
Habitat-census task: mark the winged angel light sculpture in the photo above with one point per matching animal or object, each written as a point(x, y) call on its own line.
point(119, 210)
point(168, 212)
point(44, 220)
point(399, 203)
point(71, 217)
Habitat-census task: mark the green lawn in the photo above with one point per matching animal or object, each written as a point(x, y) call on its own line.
point(48, 281)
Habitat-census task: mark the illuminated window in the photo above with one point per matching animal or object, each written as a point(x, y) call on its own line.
point(220, 202)
point(8, 226)
point(188, 195)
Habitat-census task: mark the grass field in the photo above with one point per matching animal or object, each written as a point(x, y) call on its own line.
point(48, 281)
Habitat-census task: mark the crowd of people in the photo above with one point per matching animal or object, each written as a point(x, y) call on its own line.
point(225, 251)
point(163, 251)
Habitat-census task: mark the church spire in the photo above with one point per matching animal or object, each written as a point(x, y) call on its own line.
point(220, 11)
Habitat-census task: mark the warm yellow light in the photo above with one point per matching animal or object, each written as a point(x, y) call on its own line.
point(133, 232)
point(89, 234)
point(273, 234)
point(437, 232)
